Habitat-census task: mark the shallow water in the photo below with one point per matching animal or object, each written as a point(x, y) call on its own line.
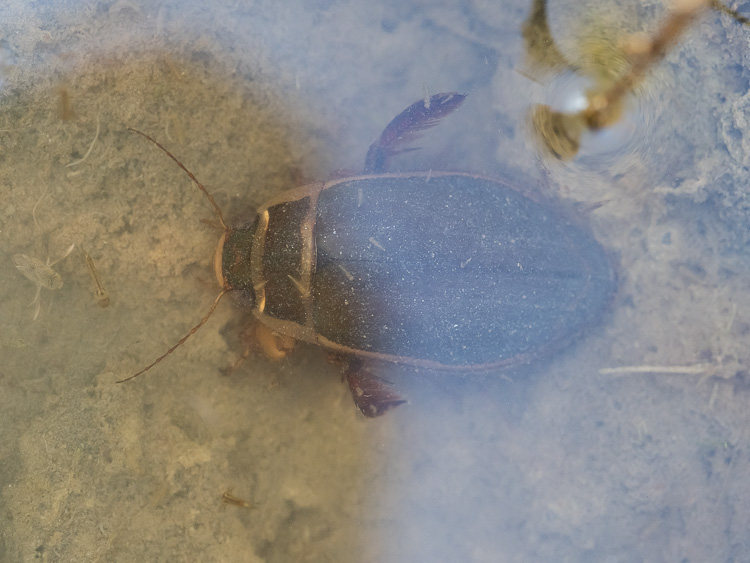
point(563, 463)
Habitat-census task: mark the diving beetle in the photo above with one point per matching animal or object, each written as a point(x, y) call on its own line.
point(446, 271)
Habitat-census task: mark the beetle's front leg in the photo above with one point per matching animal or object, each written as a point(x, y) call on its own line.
point(274, 346)
point(372, 395)
point(247, 339)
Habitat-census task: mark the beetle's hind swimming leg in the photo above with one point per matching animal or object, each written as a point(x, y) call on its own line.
point(373, 395)
point(407, 126)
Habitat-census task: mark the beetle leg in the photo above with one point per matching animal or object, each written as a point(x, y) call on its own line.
point(407, 126)
point(372, 395)
point(274, 345)
point(241, 360)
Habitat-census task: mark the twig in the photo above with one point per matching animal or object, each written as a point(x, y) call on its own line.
point(33, 211)
point(646, 52)
point(647, 369)
point(91, 147)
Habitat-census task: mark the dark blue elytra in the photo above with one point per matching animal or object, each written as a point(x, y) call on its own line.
point(452, 270)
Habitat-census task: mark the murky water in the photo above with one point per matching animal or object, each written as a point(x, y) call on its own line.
point(563, 463)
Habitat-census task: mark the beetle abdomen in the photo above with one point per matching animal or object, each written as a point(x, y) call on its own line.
point(451, 269)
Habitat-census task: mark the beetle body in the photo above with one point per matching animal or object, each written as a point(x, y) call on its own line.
point(440, 270)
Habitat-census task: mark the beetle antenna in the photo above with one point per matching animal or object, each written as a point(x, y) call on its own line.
point(190, 174)
point(181, 341)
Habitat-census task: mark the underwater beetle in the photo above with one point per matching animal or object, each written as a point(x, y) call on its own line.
point(439, 270)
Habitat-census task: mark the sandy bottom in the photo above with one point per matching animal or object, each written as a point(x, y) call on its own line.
point(563, 463)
